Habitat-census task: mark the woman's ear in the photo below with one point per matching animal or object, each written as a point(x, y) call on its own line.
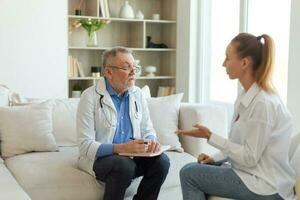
point(246, 62)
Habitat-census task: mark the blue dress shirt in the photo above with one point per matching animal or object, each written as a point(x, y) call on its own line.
point(124, 130)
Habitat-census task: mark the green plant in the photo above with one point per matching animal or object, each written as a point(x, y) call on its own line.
point(77, 87)
point(91, 25)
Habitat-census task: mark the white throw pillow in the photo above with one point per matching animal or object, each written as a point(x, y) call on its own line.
point(64, 121)
point(146, 91)
point(4, 95)
point(19, 100)
point(164, 115)
point(297, 187)
point(26, 128)
point(295, 163)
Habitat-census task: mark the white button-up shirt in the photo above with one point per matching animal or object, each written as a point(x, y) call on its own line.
point(258, 143)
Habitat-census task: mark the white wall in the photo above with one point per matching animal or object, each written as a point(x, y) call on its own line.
point(33, 47)
point(293, 98)
point(186, 49)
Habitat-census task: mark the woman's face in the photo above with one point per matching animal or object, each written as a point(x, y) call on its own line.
point(233, 63)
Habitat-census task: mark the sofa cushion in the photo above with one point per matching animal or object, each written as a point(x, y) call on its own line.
point(164, 115)
point(4, 95)
point(27, 128)
point(64, 121)
point(294, 145)
point(297, 187)
point(9, 188)
point(146, 92)
point(295, 161)
point(54, 175)
point(1, 160)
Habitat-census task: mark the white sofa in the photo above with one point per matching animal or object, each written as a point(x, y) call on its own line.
point(55, 175)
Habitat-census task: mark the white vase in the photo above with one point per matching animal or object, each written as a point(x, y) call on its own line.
point(139, 15)
point(92, 40)
point(126, 11)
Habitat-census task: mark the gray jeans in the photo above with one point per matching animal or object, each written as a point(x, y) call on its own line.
point(199, 180)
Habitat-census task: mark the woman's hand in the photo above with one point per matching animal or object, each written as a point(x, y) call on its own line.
point(205, 159)
point(198, 131)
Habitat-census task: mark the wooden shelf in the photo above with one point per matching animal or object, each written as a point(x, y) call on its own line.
point(130, 33)
point(133, 49)
point(114, 19)
point(138, 78)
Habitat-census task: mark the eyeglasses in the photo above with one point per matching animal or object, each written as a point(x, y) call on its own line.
point(135, 69)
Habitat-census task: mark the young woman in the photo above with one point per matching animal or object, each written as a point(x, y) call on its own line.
point(256, 151)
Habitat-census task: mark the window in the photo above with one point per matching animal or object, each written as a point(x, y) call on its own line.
point(276, 24)
point(223, 21)
point(225, 13)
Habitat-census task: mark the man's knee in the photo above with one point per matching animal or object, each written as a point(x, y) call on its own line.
point(162, 164)
point(124, 167)
point(119, 166)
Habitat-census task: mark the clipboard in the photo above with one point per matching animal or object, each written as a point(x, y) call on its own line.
point(162, 149)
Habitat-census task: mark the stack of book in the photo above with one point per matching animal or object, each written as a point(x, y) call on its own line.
point(104, 9)
point(165, 91)
point(75, 68)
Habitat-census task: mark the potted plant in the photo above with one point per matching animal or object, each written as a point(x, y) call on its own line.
point(91, 26)
point(76, 91)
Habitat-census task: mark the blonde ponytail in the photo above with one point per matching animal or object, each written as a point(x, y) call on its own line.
point(262, 55)
point(263, 75)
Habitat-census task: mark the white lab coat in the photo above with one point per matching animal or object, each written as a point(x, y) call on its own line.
point(96, 123)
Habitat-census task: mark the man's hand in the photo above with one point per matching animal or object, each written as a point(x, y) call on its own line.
point(133, 146)
point(152, 146)
point(205, 159)
point(137, 146)
point(198, 131)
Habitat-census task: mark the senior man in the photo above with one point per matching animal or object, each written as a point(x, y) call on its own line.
point(113, 118)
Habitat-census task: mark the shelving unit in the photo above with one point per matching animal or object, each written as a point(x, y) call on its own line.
point(130, 33)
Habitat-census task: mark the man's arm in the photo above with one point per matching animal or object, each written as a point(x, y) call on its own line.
point(85, 123)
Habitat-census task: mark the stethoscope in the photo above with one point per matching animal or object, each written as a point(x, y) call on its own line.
point(136, 114)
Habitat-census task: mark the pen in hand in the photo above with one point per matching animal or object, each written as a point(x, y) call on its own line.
point(132, 138)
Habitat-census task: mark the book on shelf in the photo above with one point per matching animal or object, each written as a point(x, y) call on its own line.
point(104, 8)
point(70, 66)
point(75, 67)
point(165, 91)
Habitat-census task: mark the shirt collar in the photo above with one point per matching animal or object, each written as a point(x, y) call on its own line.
point(111, 91)
point(247, 97)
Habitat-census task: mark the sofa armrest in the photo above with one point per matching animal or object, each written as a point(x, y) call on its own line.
point(294, 145)
point(214, 117)
point(9, 188)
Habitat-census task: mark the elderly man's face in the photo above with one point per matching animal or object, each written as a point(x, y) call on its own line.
point(121, 72)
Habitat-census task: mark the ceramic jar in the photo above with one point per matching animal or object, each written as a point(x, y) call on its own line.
point(139, 15)
point(126, 11)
